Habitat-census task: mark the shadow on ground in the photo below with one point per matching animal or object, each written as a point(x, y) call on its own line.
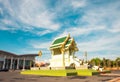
point(77, 77)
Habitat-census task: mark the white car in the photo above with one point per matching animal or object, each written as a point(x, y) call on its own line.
point(97, 68)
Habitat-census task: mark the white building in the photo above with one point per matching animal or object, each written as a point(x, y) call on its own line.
point(12, 61)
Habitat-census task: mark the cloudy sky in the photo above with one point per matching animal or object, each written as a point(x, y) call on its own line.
point(27, 26)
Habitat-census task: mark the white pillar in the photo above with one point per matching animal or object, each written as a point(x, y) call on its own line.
point(24, 64)
point(7, 64)
point(30, 63)
point(34, 63)
point(4, 62)
point(18, 63)
point(69, 56)
point(63, 58)
point(52, 53)
point(11, 63)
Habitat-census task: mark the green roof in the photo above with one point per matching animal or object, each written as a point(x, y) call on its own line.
point(57, 43)
point(59, 40)
point(68, 42)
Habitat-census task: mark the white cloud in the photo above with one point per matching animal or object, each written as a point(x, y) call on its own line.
point(10, 22)
point(40, 45)
point(31, 14)
point(78, 3)
point(35, 48)
point(42, 20)
point(5, 23)
point(115, 26)
point(7, 28)
point(106, 15)
point(77, 31)
point(103, 43)
point(7, 7)
point(1, 11)
point(35, 13)
point(4, 28)
point(43, 32)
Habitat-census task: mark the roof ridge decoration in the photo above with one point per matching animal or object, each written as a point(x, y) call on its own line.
point(64, 43)
point(70, 43)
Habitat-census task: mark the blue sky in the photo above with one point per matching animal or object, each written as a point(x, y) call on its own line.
point(27, 26)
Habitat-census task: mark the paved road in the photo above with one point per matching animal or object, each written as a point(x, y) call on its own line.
point(17, 77)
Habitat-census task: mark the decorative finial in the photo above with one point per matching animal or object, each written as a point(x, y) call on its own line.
point(40, 53)
point(68, 34)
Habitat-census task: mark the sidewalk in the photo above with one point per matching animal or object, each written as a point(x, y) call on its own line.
point(115, 80)
point(110, 74)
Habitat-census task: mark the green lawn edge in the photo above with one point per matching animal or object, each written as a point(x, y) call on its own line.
point(79, 72)
point(87, 72)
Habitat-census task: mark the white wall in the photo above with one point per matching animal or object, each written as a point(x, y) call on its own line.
point(56, 61)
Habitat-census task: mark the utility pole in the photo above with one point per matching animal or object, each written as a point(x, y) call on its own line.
point(86, 56)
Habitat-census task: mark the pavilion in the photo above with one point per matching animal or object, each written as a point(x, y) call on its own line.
point(63, 53)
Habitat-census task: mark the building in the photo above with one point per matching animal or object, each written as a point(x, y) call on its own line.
point(63, 53)
point(12, 61)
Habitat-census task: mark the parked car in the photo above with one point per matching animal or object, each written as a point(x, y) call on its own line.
point(99, 68)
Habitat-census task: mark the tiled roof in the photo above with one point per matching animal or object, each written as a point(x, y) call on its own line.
point(59, 40)
point(63, 41)
point(15, 55)
point(57, 43)
point(7, 53)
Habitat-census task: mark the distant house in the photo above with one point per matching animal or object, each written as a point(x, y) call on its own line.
point(63, 53)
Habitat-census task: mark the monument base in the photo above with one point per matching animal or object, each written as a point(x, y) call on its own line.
point(82, 67)
point(57, 68)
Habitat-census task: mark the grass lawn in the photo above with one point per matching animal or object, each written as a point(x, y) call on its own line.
point(81, 72)
point(87, 72)
point(51, 72)
point(67, 72)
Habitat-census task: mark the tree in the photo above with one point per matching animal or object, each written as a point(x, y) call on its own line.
point(108, 63)
point(96, 61)
point(92, 61)
point(117, 62)
point(104, 62)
